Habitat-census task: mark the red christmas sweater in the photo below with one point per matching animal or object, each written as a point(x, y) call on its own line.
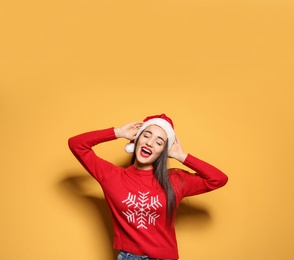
point(136, 201)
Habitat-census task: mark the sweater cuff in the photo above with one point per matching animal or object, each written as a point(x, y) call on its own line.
point(190, 161)
point(195, 164)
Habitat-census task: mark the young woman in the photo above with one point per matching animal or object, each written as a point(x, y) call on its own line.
point(143, 197)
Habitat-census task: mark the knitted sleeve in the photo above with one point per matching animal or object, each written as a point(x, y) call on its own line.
point(205, 178)
point(81, 146)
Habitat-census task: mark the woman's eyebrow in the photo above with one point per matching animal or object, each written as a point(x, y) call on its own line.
point(149, 132)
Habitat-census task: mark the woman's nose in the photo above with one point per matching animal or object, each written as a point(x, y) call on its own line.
point(149, 143)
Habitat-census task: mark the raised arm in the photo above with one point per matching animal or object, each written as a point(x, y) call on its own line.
point(206, 177)
point(81, 146)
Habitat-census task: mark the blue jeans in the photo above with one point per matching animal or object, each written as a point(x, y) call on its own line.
point(128, 256)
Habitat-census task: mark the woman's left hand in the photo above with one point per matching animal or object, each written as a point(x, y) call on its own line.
point(176, 151)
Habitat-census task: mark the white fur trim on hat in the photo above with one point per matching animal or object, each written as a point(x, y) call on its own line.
point(165, 125)
point(130, 147)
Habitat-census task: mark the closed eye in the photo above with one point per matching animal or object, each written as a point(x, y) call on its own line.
point(147, 134)
point(159, 143)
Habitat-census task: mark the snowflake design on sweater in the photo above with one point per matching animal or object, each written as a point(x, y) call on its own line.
point(142, 209)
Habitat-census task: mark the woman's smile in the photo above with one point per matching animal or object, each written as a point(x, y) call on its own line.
point(145, 152)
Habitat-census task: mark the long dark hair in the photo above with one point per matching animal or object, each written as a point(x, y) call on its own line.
point(162, 176)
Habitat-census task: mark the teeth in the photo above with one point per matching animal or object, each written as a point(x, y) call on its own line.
point(146, 151)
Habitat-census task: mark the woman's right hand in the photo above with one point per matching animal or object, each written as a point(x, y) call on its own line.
point(128, 131)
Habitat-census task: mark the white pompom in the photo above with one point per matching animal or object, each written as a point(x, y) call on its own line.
point(130, 147)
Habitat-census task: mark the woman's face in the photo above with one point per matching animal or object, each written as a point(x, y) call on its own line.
point(149, 147)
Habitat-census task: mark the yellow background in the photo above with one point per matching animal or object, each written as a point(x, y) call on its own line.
point(223, 70)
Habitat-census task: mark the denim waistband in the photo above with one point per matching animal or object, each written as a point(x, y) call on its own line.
point(128, 256)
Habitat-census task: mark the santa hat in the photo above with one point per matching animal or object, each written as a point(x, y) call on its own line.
point(160, 120)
